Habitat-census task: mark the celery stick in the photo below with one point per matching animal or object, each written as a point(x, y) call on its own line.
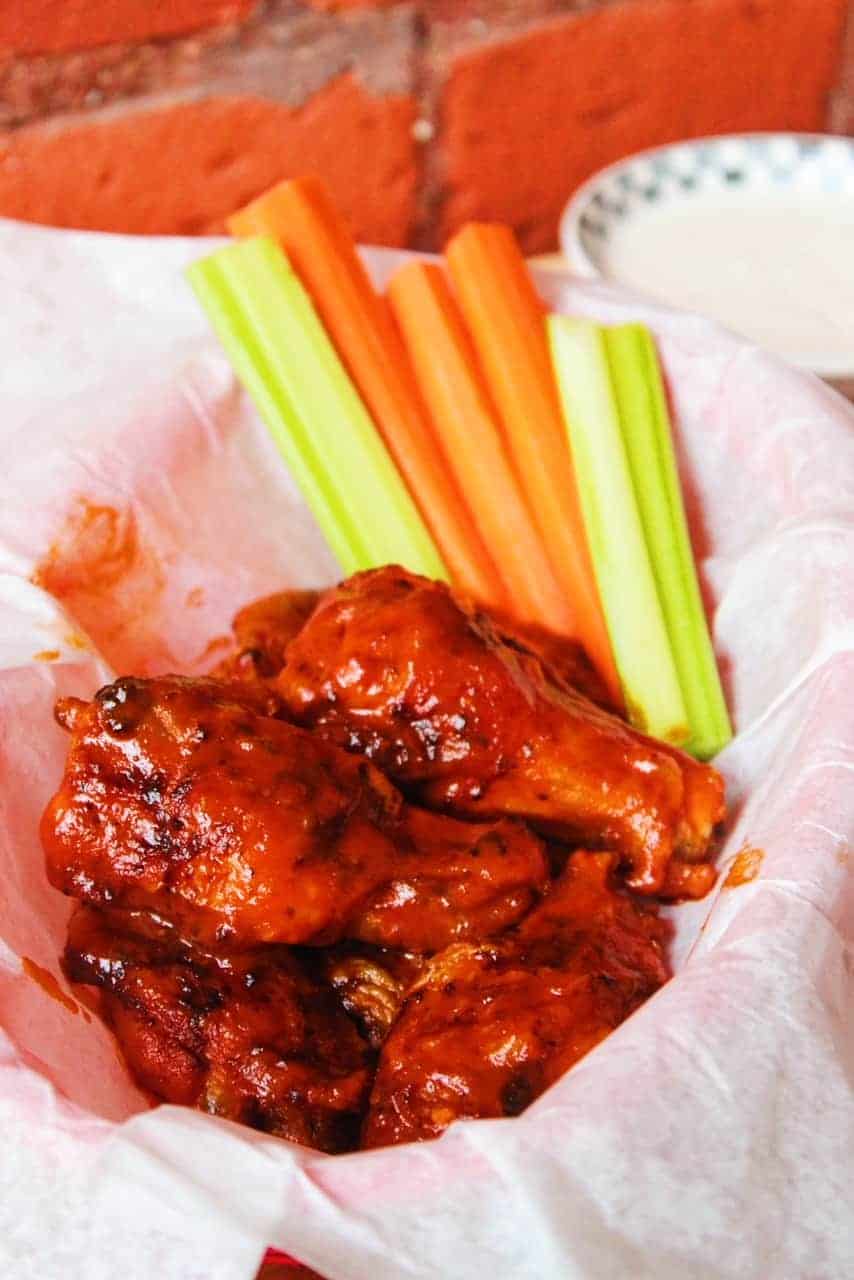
point(645, 423)
point(282, 355)
point(614, 531)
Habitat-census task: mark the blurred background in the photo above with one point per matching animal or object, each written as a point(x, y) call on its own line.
point(164, 115)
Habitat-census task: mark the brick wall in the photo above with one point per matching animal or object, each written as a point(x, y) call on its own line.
point(162, 116)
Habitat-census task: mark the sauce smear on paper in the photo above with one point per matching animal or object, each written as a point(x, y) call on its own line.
point(100, 569)
point(745, 867)
point(48, 983)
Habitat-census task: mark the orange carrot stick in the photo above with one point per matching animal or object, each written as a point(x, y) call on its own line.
point(470, 438)
point(506, 321)
point(301, 216)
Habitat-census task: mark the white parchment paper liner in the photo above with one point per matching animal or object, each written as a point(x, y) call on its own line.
point(712, 1134)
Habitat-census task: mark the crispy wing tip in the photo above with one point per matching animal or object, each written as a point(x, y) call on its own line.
point(67, 712)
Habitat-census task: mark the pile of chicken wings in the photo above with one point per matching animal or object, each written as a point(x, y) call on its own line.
point(395, 863)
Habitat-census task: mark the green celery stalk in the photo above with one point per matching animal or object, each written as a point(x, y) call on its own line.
point(648, 439)
point(617, 546)
point(279, 349)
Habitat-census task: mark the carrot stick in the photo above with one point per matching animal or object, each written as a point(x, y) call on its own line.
point(302, 218)
point(506, 321)
point(470, 437)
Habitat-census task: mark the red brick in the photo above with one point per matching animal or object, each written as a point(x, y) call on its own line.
point(55, 26)
point(525, 119)
point(182, 168)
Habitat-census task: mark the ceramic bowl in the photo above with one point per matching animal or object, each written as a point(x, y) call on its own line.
point(781, 171)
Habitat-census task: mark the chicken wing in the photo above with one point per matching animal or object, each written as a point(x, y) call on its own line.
point(184, 797)
point(564, 660)
point(252, 1038)
point(371, 983)
point(263, 630)
point(452, 881)
point(395, 667)
point(487, 1028)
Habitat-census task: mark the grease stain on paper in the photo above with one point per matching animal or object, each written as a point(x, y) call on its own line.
point(74, 640)
point(745, 867)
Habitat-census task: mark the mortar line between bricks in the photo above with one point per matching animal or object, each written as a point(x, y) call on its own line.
point(840, 104)
point(423, 90)
point(437, 40)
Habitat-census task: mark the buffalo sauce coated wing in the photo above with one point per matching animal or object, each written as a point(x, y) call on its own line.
point(184, 797)
point(263, 630)
point(488, 1027)
point(452, 881)
point(253, 1037)
point(371, 983)
point(564, 660)
point(395, 667)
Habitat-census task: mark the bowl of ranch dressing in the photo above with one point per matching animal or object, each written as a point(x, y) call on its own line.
point(753, 230)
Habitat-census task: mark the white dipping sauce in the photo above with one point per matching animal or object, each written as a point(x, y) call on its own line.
point(778, 267)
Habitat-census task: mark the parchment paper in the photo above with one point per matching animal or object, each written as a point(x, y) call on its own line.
point(712, 1135)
